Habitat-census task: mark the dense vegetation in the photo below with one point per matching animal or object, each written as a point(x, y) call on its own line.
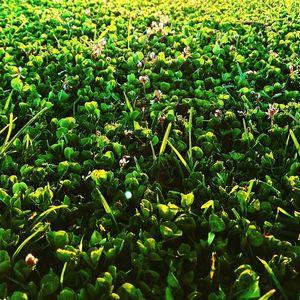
point(149, 149)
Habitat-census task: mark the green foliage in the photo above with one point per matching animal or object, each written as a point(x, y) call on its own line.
point(149, 150)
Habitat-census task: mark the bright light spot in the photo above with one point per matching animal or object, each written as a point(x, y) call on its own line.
point(128, 195)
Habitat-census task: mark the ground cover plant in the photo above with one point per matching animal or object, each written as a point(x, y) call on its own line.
point(149, 149)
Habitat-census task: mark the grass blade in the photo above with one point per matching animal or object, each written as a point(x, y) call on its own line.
point(104, 32)
point(180, 157)
point(272, 188)
point(46, 212)
point(286, 144)
point(138, 168)
point(128, 104)
point(165, 139)
point(106, 207)
point(190, 136)
point(8, 102)
point(8, 144)
point(20, 27)
point(62, 275)
point(10, 125)
point(297, 145)
point(273, 277)
point(267, 295)
point(6, 126)
point(39, 230)
point(279, 209)
point(251, 183)
point(128, 32)
point(153, 151)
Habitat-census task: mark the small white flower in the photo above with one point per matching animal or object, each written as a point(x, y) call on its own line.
point(31, 261)
point(152, 55)
point(157, 95)
point(143, 79)
point(98, 48)
point(249, 72)
point(272, 111)
point(218, 113)
point(241, 113)
point(139, 64)
point(128, 133)
point(232, 48)
point(161, 119)
point(124, 161)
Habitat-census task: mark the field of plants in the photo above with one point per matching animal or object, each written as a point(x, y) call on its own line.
point(149, 149)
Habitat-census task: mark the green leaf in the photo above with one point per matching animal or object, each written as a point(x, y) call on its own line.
point(216, 223)
point(187, 200)
point(173, 281)
point(164, 86)
point(49, 284)
point(5, 265)
point(273, 277)
point(146, 208)
point(99, 176)
point(18, 296)
point(253, 291)
point(4, 197)
point(118, 148)
point(254, 236)
point(69, 153)
point(207, 205)
point(17, 84)
point(210, 238)
point(58, 239)
point(128, 291)
point(68, 122)
point(217, 49)
point(91, 106)
point(168, 294)
point(131, 78)
point(166, 231)
point(96, 238)
point(67, 294)
point(167, 212)
point(96, 254)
